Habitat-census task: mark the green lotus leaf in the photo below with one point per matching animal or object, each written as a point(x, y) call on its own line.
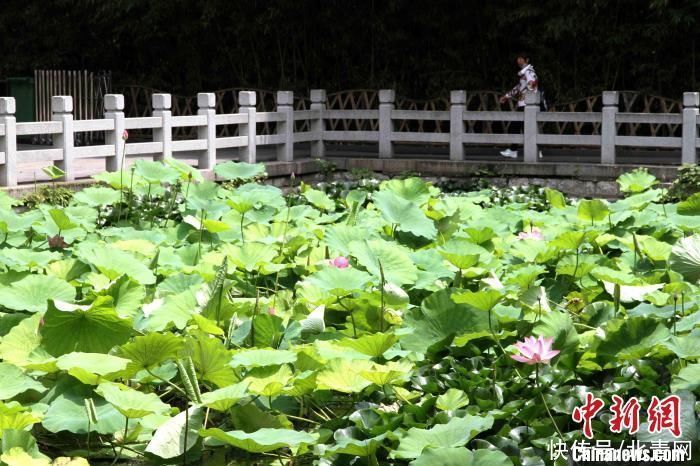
point(224, 398)
point(15, 416)
point(379, 256)
point(268, 381)
point(187, 172)
point(343, 375)
point(461, 457)
point(155, 172)
point(393, 372)
point(177, 435)
point(439, 319)
point(456, 433)
point(560, 327)
point(15, 381)
point(91, 368)
point(404, 214)
point(7, 201)
point(339, 282)
point(16, 438)
point(636, 181)
point(263, 440)
point(211, 360)
point(33, 292)
point(127, 296)
point(114, 263)
point(463, 253)
point(355, 447)
point(173, 309)
point(204, 196)
point(484, 300)
point(239, 170)
point(690, 206)
point(215, 226)
point(632, 340)
point(555, 198)
point(452, 400)
point(339, 237)
point(130, 402)
point(373, 345)
point(685, 258)
point(592, 210)
point(319, 199)
point(21, 341)
point(412, 189)
point(248, 417)
point(263, 357)
point(687, 378)
point(25, 259)
point(249, 256)
point(67, 413)
point(97, 196)
point(630, 294)
point(686, 346)
point(150, 350)
point(93, 329)
point(61, 220)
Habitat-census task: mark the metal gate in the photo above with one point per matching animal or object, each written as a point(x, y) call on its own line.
point(87, 89)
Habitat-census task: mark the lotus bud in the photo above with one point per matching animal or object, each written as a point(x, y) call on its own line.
point(340, 262)
point(395, 295)
point(125, 135)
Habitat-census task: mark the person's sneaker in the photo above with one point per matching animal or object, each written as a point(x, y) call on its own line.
point(511, 154)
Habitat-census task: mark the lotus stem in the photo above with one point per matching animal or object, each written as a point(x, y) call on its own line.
point(187, 428)
point(381, 273)
point(242, 236)
point(131, 194)
point(544, 401)
point(121, 448)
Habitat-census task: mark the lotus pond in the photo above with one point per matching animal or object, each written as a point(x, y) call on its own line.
point(159, 318)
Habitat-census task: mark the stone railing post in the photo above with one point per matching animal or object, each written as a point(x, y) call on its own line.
point(608, 129)
point(285, 105)
point(318, 126)
point(8, 142)
point(62, 110)
point(114, 110)
point(246, 104)
point(387, 98)
point(530, 127)
point(162, 104)
point(206, 103)
point(458, 100)
point(691, 101)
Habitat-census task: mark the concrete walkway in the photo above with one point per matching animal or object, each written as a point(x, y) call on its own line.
point(29, 172)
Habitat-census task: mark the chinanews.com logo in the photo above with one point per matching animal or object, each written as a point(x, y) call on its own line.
point(663, 417)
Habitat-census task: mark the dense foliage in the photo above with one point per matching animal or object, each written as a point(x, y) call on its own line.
point(423, 49)
point(372, 328)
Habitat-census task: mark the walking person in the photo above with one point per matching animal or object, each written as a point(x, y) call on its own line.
point(527, 84)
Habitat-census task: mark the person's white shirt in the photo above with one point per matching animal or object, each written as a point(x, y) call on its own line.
point(527, 83)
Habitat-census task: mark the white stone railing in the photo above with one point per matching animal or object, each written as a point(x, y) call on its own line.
point(65, 155)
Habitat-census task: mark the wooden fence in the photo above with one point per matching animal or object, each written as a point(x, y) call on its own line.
point(318, 125)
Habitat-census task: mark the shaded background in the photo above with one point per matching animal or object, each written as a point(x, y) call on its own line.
point(421, 48)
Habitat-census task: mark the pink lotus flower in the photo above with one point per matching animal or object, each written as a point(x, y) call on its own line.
point(125, 135)
point(535, 350)
point(340, 262)
point(534, 233)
